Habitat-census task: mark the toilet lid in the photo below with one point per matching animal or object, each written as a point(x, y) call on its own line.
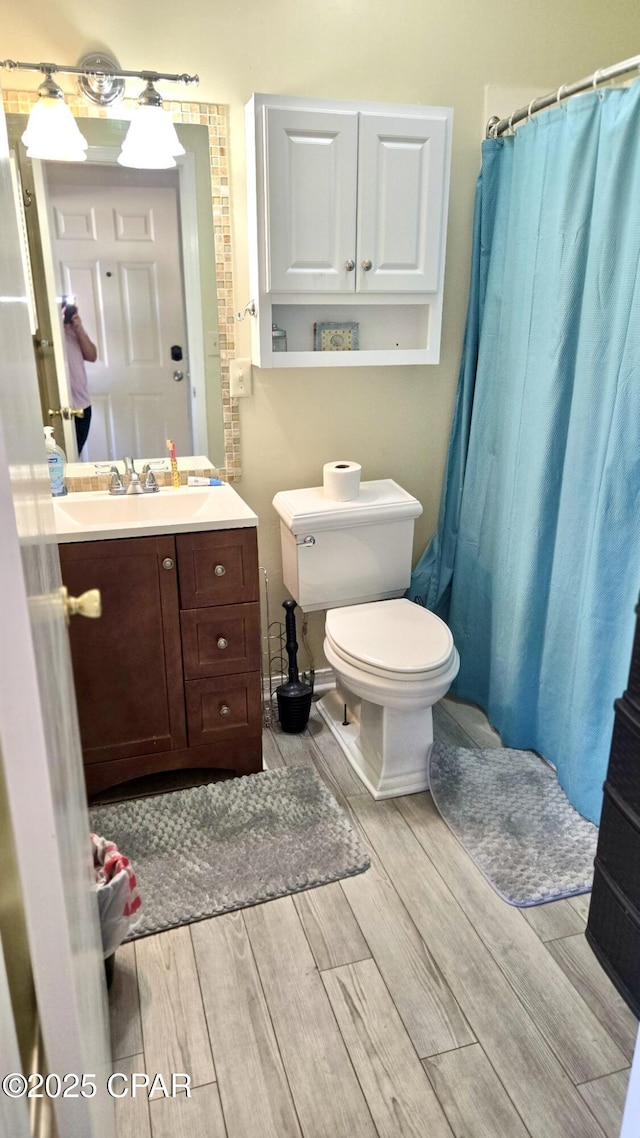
point(391, 637)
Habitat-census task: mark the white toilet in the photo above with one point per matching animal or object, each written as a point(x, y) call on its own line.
point(392, 658)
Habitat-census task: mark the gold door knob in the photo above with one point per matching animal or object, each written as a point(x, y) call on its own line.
point(67, 412)
point(88, 604)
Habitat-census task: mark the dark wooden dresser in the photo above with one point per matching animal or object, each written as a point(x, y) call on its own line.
point(613, 927)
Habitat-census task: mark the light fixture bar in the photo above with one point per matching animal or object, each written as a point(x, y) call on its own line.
point(90, 72)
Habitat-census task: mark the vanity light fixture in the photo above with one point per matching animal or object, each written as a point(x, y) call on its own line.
point(52, 132)
point(152, 142)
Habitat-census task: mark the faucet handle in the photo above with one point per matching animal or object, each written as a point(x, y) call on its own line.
point(116, 485)
point(150, 483)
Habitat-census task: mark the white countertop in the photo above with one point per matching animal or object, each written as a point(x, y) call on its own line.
point(97, 515)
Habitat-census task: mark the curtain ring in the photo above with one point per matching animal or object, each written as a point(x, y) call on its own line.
point(559, 92)
point(529, 110)
point(511, 121)
point(594, 81)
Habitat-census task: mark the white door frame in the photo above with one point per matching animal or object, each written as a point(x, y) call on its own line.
point(192, 293)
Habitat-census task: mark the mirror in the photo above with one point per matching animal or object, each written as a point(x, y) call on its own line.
point(169, 346)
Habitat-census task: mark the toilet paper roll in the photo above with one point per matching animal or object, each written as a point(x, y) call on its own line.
point(341, 480)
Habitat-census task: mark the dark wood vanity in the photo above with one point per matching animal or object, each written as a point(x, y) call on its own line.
point(169, 677)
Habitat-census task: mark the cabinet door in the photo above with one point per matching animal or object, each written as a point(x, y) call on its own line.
point(311, 195)
point(401, 181)
point(128, 665)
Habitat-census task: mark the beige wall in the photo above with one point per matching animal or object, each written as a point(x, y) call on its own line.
point(395, 421)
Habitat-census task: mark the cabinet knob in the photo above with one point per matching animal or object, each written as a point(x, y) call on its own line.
point(366, 265)
point(168, 563)
point(219, 570)
point(87, 604)
point(349, 266)
point(225, 709)
point(222, 643)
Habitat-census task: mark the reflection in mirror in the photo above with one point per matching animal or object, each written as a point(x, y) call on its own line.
point(147, 260)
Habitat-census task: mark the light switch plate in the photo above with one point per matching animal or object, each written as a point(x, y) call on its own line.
point(240, 378)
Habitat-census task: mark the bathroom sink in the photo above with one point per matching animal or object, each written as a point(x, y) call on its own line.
point(95, 508)
point(96, 514)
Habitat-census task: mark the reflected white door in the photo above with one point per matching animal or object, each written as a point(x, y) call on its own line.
point(117, 250)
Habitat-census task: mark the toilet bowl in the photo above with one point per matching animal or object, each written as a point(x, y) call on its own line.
point(392, 661)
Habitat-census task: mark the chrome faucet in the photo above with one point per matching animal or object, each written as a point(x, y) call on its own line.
point(130, 482)
point(134, 485)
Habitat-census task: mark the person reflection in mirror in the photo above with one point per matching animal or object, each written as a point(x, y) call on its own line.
point(80, 349)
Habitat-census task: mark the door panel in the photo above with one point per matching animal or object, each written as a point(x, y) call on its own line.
point(399, 214)
point(128, 285)
point(311, 200)
point(39, 741)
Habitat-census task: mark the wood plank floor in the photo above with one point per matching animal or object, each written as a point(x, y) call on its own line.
point(407, 1001)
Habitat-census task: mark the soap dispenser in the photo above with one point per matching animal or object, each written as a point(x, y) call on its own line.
point(56, 462)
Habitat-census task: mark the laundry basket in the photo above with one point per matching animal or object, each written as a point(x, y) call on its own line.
point(119, 902)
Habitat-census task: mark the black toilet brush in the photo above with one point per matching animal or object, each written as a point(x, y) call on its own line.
point(294, 697)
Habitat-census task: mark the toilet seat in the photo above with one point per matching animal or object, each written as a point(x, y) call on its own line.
point(396, 640)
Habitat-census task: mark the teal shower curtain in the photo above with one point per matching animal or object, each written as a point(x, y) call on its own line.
point(536, 562)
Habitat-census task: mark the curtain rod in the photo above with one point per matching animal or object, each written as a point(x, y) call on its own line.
point(497, 126)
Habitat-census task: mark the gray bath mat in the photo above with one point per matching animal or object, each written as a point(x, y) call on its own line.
point(508, 811)
point(230, 844)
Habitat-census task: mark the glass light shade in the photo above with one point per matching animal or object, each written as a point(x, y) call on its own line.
point(52, 132)
point(151, 142)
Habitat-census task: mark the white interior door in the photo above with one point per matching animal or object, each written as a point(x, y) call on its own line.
point(39, 739)
point(117, 250)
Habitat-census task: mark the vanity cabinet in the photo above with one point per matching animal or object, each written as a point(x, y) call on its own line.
point(169, 677)
point(348, 208)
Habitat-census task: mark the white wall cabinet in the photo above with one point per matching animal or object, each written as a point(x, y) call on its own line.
point(347, 211)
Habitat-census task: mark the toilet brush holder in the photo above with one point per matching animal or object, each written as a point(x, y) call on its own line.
point(294, 697)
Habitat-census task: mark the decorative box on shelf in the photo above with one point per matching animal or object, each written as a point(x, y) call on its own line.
point(347, 230)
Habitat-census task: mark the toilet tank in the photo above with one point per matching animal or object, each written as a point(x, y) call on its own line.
point(345, 553)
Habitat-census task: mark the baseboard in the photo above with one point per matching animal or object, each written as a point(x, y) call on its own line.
point(323, 681)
